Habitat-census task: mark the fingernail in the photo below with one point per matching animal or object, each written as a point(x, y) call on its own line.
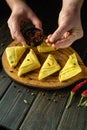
point(66, 34)
point(53, 45)
point(46, 40)
point(51, 40)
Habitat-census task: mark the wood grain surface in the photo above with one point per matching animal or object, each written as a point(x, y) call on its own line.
point(51, 82)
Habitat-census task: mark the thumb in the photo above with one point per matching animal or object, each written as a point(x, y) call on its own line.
point(58, 33)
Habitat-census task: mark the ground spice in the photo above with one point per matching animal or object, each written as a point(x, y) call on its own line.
point(49, 99)
point(2, 44)
point(33, 36)
point(43, 94)
point(19, 90)
point(33, 94)
point(55, 100)
point(3, 76)
point(11, 71)
point(25, 101)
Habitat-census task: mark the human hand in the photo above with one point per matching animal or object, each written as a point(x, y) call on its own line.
point(21, 13)
point(69, 30)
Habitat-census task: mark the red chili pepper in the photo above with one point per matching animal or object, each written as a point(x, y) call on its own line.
point(79, 85)
point(83, 95)
point(74, 90)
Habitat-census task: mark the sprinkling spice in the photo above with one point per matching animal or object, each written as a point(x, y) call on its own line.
point(74, 90)
point(3, 76)
point(43, 94)
point(15, 86)
point(49, 99)
point(55, 94)
point(55, 101)
point(28, 90)
point(2, 44)
point(32, 94)
point(19, 90)
point(83, 95)
point(48, 64)
point(11, 71)
point(61, 95)
point(12, 61)
point(33, 36)
point(30, 78)
point(25, 101)
point(28, 59)
point(74, 63)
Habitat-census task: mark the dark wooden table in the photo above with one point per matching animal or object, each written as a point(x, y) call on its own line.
point(26, 108)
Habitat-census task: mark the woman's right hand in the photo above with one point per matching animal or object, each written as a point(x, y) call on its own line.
point(21, 13)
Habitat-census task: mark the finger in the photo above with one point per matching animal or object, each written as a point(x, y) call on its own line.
point(65, 35)
point(38, 24)
point(66, 42)
point(49, 36)
point(58, 33)
point(19, 37)
point(47, 39)
point(17, 33)
point(35, 20)
point(10, 27)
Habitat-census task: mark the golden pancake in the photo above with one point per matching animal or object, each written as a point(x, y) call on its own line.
point(30, 63)
point(49, 67)
point(70, 69)
point(45, 48)
point(14, 54)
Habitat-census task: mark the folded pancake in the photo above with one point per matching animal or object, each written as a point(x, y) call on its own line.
point(14, 54)
point(49, 67)
point(43, 47)
point(30, 63)
point(70, 69)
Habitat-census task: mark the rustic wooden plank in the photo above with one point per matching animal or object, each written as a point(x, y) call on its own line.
point(74, 118)
point(0, 64)
point(13, 108)
point(46, 111)
point(5, 81)
point(5, 37)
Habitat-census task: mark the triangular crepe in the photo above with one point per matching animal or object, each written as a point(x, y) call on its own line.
point(70, 69)
point(49, 67)
point(30, 63)
point(43, 47)
point(14, 54)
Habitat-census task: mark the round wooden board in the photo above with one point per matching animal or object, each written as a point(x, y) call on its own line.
point(51, 82)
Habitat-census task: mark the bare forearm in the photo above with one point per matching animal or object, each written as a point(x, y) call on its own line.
point(73, 4)
point(12, 3)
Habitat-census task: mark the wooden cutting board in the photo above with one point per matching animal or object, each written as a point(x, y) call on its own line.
point(51, 82)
